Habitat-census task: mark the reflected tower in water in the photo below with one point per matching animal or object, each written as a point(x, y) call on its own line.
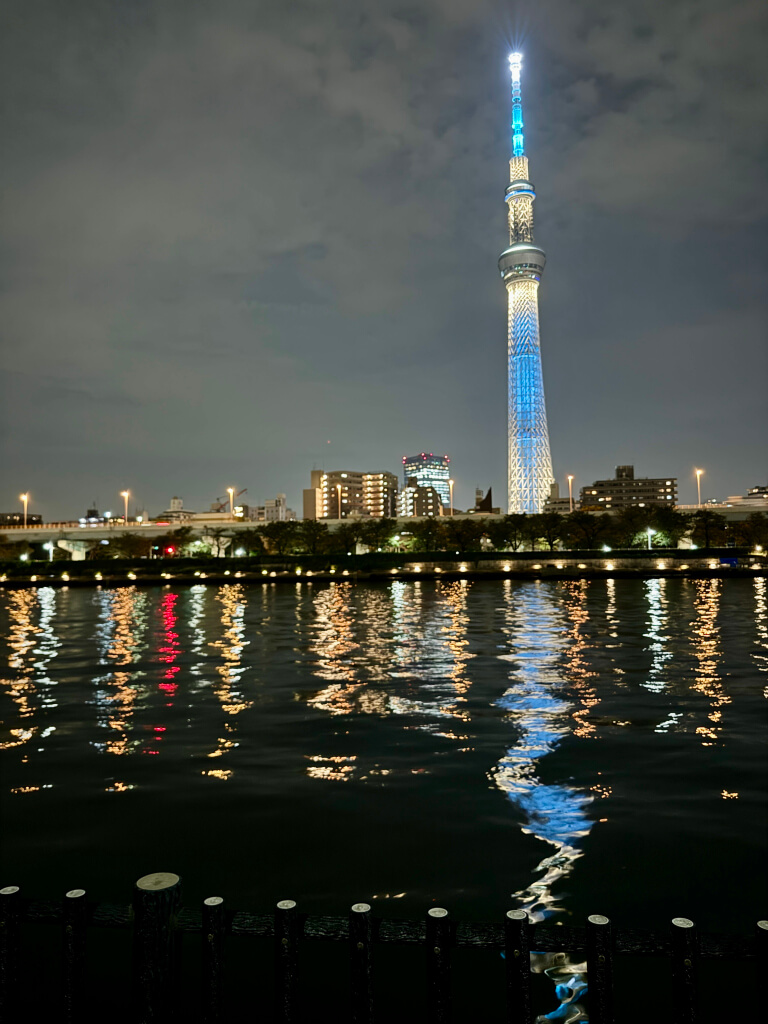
point(538, 643)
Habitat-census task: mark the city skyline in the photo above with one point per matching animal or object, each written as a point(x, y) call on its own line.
point(180, 309)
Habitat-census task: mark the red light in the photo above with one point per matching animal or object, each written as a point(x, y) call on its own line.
point(169, 551)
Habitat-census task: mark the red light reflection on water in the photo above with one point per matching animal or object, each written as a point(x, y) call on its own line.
point(168, 652)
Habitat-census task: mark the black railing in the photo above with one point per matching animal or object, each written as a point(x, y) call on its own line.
point(158, 921)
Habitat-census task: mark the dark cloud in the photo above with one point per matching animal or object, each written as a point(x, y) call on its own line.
point(233, 232)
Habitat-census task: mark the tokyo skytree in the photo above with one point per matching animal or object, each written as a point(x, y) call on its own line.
point(529, 473)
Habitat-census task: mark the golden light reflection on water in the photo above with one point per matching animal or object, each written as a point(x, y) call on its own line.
point(705, 640)
point(121, 636)
point(576, 665)
point(229, 670)
point(22, 607)
point(390, 653)
point(761, 627)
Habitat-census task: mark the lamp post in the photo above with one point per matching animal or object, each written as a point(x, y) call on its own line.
point(338, 497)
point(570, 494)
point(698, 484)
point(125, 495)
point(231, 493)
point(450, 488)
point(25, 499)
point(650, 534)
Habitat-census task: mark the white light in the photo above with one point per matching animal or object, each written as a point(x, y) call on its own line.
point(606, 547)
point(240, 552)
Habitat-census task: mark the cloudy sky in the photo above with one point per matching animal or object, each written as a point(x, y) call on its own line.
point(247, 238)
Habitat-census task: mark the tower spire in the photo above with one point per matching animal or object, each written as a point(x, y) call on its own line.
point(521, 266)
point(518, 141)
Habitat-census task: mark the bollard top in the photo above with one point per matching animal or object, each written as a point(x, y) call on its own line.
point(682, 922)
point(286, 904)
point(74, 894)
point(361, 908)
point(598, 919)
point(9, 890)
point(437, 912)
point(158, 880)
point(517, 915)
point(213, 901)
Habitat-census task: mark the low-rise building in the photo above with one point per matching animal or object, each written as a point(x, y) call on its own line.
point(626, 490)
point(414, 500)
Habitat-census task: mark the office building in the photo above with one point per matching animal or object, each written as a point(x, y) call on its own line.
point(625, 490)
point(429, 471)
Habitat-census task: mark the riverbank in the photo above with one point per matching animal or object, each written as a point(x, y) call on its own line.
point(383, 566)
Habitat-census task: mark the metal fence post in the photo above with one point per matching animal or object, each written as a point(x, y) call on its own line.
point(517, 961)
point(684, 952)
point(287, 961)
point(156, 903)
point(438, 966)
point(361, 962)
point(10, 911)
point(600, 969)
point(73, 976)
point(214, 927)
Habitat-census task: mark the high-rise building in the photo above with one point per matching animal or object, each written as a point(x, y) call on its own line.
point(529, 473)
point(380, 494)
point(625, 490)
point(430, 471)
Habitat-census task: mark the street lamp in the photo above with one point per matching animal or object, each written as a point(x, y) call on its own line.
point(231, 493)
point(124, 495)
point(49, 548)
point(570, 494)
point(650, 534)
point(25, 499)
point(338, 498)
point(450, 488)
point(698, 483)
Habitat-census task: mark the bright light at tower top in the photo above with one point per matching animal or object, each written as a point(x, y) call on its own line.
point(518, 142)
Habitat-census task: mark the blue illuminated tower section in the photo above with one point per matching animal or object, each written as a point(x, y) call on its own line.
point(529, 474)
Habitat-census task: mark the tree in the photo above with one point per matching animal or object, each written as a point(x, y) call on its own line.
point(280, 535)
point(552, 528)
point(378, 533)
point(345, 537)
point(251, 541)
point(585, 529)
point(175, 542)
point(428, 535)
point(670, 524)
point(507, 532)
point(130, 545)
point(312, 535)
point(708, 527)
point(532, 529)
point(753, 530)
point(630, 526)
point(462, 534)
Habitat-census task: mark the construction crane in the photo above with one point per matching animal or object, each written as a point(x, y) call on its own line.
point(221, 503)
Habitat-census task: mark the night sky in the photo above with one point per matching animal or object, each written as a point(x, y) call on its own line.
point(245, 239)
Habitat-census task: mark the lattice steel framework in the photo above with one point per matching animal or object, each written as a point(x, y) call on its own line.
point(530, 463)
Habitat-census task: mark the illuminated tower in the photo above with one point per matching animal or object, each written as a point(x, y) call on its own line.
point(529, 473)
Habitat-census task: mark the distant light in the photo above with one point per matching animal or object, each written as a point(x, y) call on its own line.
point(240, 552)
point(609, 566)
point(515, 58)
point(537, 566)
point(23, 557)
point(606, 547)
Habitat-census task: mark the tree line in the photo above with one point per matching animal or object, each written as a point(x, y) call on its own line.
point(547, 531)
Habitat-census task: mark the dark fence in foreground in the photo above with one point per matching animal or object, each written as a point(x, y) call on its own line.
point(157, 921)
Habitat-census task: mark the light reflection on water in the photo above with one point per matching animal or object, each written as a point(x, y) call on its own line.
point(545, 648)
point(438, 688)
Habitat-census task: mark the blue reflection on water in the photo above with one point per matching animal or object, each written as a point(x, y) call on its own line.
point(539, 639)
